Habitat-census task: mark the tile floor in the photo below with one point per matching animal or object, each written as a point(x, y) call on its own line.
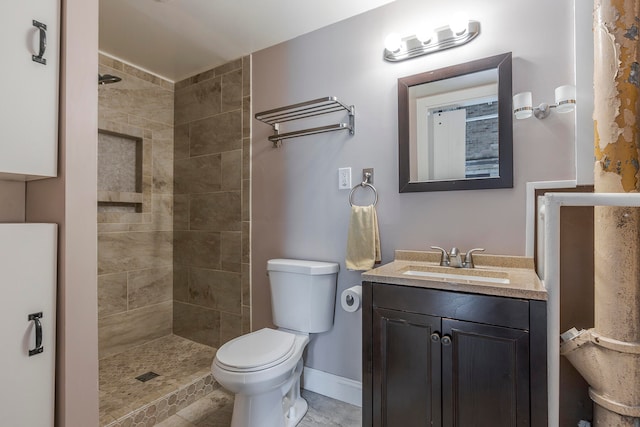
point(184, 367)
point(184, 394)
point(214, 410)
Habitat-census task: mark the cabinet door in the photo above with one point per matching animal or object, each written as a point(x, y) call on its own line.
point(27, 287)
point(406, 366)
point(485, 375)
point(29, 89)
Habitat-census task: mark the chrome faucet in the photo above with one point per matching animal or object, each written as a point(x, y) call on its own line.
point(454, 258)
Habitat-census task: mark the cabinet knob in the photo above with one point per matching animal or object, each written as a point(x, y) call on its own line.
point(435, 337)
point(446, 340)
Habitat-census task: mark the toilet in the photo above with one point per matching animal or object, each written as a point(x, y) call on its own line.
point(263, 368)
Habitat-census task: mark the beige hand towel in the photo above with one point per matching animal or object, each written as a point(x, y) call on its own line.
point(363, 240)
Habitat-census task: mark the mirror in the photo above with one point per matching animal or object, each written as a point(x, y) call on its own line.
point(455, 127)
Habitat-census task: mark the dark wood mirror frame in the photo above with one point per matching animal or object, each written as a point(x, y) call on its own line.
point(502, 63)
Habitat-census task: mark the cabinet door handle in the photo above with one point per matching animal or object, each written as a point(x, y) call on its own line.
point(36, 319)
point(435, 337)
point(446, 340)
point(42, 28)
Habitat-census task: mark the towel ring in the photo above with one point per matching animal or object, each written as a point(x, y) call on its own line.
point(364, 184)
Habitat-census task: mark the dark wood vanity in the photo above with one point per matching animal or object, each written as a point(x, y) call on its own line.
point(435, 357)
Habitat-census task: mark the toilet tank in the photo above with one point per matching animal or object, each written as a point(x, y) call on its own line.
point(303, 294)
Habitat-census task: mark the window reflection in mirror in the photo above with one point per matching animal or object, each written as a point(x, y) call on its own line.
point(455, 127)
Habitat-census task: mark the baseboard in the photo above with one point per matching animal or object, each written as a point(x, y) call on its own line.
point(333, 386)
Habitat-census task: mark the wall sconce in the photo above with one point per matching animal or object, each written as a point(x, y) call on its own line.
point(565, 103)
point(424, 42)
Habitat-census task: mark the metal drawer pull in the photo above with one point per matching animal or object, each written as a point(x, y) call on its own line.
point(446, 340)
point(36, 319)
point(435, 337)
point(43, 43)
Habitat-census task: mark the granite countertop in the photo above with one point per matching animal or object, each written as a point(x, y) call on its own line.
point(520, 272)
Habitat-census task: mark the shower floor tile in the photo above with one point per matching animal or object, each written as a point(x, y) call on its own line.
point(177, 361)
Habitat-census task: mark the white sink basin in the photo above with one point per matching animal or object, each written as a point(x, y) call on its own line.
point(455, 276)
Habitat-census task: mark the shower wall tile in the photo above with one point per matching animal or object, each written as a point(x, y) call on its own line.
point(135, 249)
point(232, 90)
point(232, 170)
point(197, 249)
point(197, 101)
point(231, 250)
point(181, 142)
point(211, 183)
point(215, 134)
point(120, 332)
point(215, 211)
point(112, 294)
point(246, 319)
point(215, 289)
point(180, 283)
point(181, 212)
point(196, 323)
point(119, 252)
point(246, 284)
point(198, 174)
point(150, 286)
point(162, 212)
point(230, 326)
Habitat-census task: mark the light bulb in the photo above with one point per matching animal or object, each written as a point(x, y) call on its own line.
point(522, 105)
point(459, 25)
point(424, 35)
point(393, 42)
point(565, 98)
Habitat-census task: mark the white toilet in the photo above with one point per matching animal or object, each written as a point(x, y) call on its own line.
point(263, 368)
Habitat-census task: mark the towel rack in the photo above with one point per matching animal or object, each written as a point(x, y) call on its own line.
point(364, 184)
point(302, 110)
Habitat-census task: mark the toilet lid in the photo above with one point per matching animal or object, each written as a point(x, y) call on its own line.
point(261, 349)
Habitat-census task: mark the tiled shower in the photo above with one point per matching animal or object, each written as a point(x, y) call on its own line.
point(173, 234)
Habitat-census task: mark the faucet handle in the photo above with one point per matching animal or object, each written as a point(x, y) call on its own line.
point(444, 259)
point(468, 258)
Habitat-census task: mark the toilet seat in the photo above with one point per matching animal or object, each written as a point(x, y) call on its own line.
point(256, 351)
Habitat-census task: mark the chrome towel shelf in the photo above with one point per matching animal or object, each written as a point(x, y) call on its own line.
point(304, 110)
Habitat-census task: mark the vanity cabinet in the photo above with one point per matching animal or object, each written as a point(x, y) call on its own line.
point(441, 358)
point(29, 86)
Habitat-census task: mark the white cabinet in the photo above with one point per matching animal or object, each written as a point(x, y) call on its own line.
point(27, 345)
point(29, 42)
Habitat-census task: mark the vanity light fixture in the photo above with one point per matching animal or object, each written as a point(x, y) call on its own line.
point(425, 41)
point(565, 103)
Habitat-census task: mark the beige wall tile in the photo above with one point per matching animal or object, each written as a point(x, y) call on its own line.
point(120, 332)
point(246, 75)
point(197, 249)
point(180, 283)
point(246, 319)
point(181, 212)
point(230, 326)
point(231, 251)
point(198, 174)
point(181, 142)
point(150, 286)
point(232, 170)
point(197, 101)
point(112, 294)
point(162, 153)
point(215, 211)
point(246, 200)
point(119, 252)
point(215, 134)
point(232, 90)
point(228, 67)
point(215, 289)
point(246, 284)
point(246, 242)
point(162, 212)
point(197, 323)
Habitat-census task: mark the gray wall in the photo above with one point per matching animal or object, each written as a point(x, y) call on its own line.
point(297, 210)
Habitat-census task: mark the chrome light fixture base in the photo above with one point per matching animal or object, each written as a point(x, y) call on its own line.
point(441, 39)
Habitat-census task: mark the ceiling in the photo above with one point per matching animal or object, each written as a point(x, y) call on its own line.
point(176, 39)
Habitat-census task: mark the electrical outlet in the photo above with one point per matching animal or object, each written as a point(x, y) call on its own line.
point(344, 178)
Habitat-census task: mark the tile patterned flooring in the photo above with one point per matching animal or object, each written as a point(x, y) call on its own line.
point(185, 395)
point(214, 410)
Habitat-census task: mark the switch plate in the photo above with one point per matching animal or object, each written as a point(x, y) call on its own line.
point(344, 178)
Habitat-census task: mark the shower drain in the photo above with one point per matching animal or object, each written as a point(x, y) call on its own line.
point(147, 376)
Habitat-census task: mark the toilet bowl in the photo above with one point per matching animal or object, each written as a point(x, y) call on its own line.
point(263, 368)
